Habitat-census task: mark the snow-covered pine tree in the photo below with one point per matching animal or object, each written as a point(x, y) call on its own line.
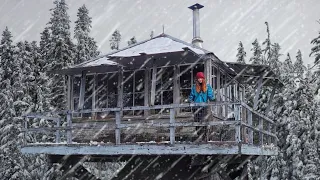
point(298, 66)
point(268, 49)
point(151, 34)
point(61, 52)
point(296, 117)
point(287, 70)
point(45, 41)
point(274, 60)
point(241, 54)
point(86, 47)
point(8, 130)
point(115, 40)
point(132, 41)
point(256, 52)
point(315, 50)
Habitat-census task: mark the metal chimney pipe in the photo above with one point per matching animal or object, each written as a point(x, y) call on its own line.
point(196, 40)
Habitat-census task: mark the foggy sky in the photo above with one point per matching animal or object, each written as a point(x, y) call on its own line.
point(293, 23)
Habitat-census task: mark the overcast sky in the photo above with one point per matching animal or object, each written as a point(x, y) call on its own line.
point(293, 23)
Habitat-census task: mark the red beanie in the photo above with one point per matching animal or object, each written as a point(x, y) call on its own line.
point(200, 75)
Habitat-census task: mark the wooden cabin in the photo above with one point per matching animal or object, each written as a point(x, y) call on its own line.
point(134, 102)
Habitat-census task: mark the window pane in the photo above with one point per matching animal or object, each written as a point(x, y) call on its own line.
point(185, 78)
point(167, 78)
point(127, 100)
point(128, 81)
point(167, 97)
point(102, 82)
point(139, 81)
point(112, 101)
point(139, 99)
point(113, 84)
point(89, 85)
point(184, 95)
point(76, 86)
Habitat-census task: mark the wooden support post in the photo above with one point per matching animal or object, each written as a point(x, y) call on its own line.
point(218, 85)
point(270, 100)
point(58, 131)
point(117, 131)
point(238, 125)
point(146, 91)
point(120, 90)
point(82, 90)
point(69, 125)
point(258, 90)
point(207, 70)
point(69, 91)
point(153, 86)
point(94, 94)
point(260, 133)
point(250, 131)
point(218, 97)
point(226, 95)
point(172, 127)
point(25, 132)
point(176, 92)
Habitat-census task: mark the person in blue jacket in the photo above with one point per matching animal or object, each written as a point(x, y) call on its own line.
point(201, 92)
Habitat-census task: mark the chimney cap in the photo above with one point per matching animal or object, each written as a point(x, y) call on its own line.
point(196, 6)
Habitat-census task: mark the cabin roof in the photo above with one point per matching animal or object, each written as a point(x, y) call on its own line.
point(157, 47)
point(164, 50)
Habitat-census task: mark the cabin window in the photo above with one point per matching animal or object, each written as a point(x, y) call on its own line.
point(88, 94)
point(214, 77)
point(133, 90)
point(164, 87)
point(106, 92)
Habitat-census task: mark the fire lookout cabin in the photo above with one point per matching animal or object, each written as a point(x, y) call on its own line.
point(132, 105)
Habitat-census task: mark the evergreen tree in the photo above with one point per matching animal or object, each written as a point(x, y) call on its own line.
point(287, 72)
point(274, 61)
point(151, 34)
point(132, 41)
point(257, 53)
point(86, 47)
point(61, 51)
point(268, 49)
point(241, 54)
point(315, 50)
point(298, 66)
point(8, 128)
point(296, 117)
point(115, 40)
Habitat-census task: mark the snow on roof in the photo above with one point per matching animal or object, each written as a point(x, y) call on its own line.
point(156, 45)
point(101, 61)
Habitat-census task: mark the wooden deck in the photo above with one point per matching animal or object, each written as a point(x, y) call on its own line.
point(247, 133)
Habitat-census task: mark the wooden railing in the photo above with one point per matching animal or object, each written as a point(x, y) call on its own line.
point(245, 127)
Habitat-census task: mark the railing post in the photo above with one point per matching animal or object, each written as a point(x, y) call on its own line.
point(172, 126)
point(260, 133)
point(117, 131)
point(238, 125)
point(58, 131)
point(69, 126)
point(250, 132)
